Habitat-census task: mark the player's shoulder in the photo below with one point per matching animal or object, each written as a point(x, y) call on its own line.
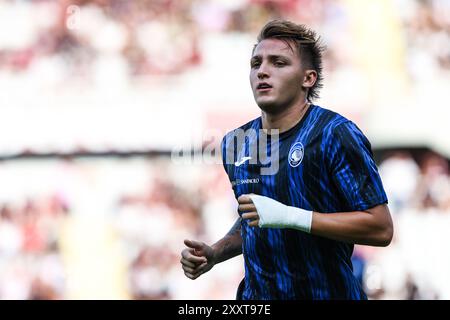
point(341, 130)
point(333, 121)
point(328, 118)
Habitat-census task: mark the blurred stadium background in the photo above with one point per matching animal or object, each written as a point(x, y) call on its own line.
point(95, 95)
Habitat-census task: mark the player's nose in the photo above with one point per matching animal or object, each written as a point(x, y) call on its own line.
point(262, 75)
point(263, 72)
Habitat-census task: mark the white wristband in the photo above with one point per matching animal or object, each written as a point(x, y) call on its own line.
point(274, 214)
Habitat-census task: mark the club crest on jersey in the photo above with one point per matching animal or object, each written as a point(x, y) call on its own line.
point(296, 154)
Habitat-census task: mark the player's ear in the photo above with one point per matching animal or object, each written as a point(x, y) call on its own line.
point(309, 78)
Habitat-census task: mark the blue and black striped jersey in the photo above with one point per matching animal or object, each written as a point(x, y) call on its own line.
point(325, 165)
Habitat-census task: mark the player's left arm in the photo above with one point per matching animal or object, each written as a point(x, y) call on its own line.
point(350, 166)
point(369, 227)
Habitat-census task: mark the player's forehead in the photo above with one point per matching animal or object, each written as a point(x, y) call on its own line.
point(275, 47)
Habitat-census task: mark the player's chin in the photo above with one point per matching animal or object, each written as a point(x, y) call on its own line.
point(268, 104)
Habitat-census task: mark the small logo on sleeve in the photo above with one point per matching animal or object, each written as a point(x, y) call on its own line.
point(296, 154)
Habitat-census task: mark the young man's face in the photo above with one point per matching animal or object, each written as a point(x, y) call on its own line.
point(276, 75)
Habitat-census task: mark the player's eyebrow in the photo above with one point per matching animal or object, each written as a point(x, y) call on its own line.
point(277, 56)
point(270, 57)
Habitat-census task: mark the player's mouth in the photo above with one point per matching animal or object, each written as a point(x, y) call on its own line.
point(263, 87)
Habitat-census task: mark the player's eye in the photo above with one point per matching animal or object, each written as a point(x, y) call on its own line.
point(279, 63)
point(255, 64)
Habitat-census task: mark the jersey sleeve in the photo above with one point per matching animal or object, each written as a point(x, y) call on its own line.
point(353, 170)
point(223, 153)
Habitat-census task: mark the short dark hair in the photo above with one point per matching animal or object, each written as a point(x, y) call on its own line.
point(308, 43)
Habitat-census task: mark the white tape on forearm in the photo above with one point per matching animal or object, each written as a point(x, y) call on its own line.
point(274, 214)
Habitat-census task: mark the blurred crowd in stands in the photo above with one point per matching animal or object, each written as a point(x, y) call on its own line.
point(149, 206)
point(415, 265)
point(154, 223)
point(31, 266)
point(163, 37)
point(427, 34)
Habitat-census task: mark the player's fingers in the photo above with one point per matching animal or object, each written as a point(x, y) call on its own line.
point(195, 276)
point(187, 255)
point(250, 215)
point(187, 263)
point(199, 268)
point(199, 271)
point(195, 259)
point(246, 207)
point(188, 269)
point(244, 199)
point(254, 223)
point(194, 244)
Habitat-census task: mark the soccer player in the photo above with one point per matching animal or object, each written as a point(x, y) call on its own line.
point(297, 227)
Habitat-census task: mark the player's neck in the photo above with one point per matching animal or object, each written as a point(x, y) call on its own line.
point(286, 119)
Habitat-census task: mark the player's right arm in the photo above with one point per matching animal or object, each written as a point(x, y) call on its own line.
point(198, 258)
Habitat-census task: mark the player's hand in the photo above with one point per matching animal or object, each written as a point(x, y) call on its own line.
point(196, 259)
point(264, 212)
point(248, 210)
